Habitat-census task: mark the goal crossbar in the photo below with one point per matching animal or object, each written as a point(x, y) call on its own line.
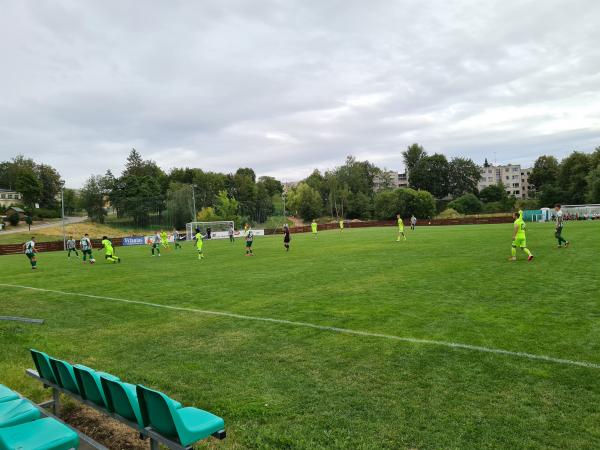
point(219, 227)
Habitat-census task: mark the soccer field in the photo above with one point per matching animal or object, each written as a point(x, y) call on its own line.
point(293, 382)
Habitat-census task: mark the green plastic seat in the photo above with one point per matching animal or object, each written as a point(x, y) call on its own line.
point(42, 364)
point(121, 399)
point(90, 387)
point(7, 394)
point(18, 411)
point(42, 434)
point(185, 425)
point(65, 375)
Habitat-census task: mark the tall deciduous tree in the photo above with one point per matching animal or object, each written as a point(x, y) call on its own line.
point(306, 201)
point(228, 208)
point(272, 185)
point(545, 171)
point(28, 184)
point(464, 175)
point(93, 196)
point(432, 174)
point(412, 156)
point(50, 181)
point(593, 182)
point(572, 176)
point(179, 204)
point(264, 203)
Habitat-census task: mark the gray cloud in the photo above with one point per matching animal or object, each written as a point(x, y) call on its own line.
point(286, 87)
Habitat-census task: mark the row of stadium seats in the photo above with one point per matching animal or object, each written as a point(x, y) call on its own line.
point(22, 426)
point(144, 407)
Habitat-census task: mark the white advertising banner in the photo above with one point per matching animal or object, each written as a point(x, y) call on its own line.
point(150, 239)
point(236, 233)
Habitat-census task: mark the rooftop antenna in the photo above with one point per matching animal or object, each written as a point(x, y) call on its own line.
point(495, 160)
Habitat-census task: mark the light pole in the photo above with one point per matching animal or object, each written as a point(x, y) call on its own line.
point(284, 196)
point(62, 207)
point(194, 202)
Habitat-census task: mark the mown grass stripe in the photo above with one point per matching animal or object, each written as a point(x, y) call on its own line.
point(411, 340)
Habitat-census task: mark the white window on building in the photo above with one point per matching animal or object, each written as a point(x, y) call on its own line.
point(507, 177)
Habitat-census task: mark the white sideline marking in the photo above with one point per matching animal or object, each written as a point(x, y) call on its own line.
point(476, 348)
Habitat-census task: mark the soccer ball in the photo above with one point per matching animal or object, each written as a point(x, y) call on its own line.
point(92, 261)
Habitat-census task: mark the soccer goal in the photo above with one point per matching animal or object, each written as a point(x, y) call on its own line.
point(218, 230)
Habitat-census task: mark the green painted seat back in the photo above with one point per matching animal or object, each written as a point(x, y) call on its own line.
point(121, 398)
point(42, 365)
point(156, 411)
point(88, 382)
point(65, 374)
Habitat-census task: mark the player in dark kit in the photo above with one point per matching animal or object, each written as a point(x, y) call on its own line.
point(286, 237)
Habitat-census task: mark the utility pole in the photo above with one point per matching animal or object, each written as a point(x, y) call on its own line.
point(62, 207)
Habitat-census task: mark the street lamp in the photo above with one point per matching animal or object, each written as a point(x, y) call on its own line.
point(62, 207)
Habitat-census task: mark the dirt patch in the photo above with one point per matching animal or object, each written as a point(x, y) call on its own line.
point(102, 428)
point(95, 230)
point(112, 433)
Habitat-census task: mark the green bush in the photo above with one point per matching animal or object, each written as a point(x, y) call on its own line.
point(524, 204)
point(386, 205)
point(405, 202)
point(43, 213)
point(466, 204)
point(14, 219)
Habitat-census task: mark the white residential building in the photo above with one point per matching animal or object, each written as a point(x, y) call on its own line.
point(392, 178)
point(9, 197)
point(514, 178)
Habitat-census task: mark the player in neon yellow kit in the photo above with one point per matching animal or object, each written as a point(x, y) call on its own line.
point(199, 243)
point(109, 253)
point(341, 225)
point(164, 239)
point(314, 228)
point(519, 238)
point(400, 228)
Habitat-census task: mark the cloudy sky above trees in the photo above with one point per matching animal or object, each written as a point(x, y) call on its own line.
point(288, 86)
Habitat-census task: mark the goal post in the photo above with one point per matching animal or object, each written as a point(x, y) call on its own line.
point(218, 229)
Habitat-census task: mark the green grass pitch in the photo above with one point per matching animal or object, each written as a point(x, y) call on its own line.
point(280, 385)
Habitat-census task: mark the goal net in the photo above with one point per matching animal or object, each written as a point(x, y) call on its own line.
point(218, 230)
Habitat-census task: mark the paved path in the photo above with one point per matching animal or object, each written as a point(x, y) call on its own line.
point(68, 221)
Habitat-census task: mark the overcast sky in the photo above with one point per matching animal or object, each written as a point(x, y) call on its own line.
point(288, 86)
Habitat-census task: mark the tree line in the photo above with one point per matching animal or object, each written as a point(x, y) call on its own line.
point(145, 194)
point(348, 191)
point(39, 184)
point(574, 180)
